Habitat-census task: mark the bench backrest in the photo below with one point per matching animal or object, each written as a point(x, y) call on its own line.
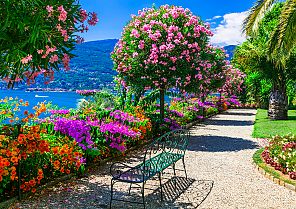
point(173, 142)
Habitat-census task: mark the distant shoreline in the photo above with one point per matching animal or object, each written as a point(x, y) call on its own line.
point(39, 90)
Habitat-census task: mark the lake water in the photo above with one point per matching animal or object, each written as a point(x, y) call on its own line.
point(62, 99)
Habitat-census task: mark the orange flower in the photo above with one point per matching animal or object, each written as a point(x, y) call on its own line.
point(8, 153)
point(62, 170)
point(76, 154)
point(13, 173)
point(56, 164)
point(40, 172)
point(30, 137)
point(5, 173)
point(1, 178)
point(55, 150)
point(68, 171)
point(14, 160)
point(33, 190)
point(25, 120)
point(12, 178)
point(63, 151)
point(2, 137)
point(14, 153)
point(32, 183)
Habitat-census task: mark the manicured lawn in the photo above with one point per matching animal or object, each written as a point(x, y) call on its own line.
point(265, 128)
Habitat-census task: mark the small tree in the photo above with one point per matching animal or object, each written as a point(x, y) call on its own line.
point(161, 49)
point(37, 36)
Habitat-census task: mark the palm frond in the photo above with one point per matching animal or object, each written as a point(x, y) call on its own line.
point(256, 13)
point(283, 39)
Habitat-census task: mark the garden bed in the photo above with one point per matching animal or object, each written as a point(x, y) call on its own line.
point(272, 174)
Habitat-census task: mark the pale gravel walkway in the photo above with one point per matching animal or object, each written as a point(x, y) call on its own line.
point(220, 170)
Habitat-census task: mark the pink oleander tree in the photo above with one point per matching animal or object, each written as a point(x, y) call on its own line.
point(37, 37)
point(163, 48)
point(234, 80)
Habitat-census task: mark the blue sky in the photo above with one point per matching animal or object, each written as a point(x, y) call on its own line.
point(225, 16)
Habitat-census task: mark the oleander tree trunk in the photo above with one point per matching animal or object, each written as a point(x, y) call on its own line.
point(162, 94)
point(278, 103)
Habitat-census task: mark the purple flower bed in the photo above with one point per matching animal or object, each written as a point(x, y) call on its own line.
point(77, 129)
point(117, 133)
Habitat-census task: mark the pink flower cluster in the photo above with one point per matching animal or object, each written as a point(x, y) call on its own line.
point(63, 13)
point(26, 59)
point(234, 80)
point(167, 48)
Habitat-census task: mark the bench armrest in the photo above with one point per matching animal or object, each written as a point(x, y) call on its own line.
point(116, 169)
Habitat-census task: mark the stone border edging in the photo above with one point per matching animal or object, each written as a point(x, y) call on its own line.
point(270, 176)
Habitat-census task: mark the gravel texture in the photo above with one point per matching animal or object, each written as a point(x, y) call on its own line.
point(220, 175)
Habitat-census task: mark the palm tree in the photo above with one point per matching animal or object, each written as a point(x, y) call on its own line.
point(283, 38)
point(280, 45)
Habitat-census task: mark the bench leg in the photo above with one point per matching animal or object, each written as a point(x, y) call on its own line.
point(161, 195)
point(175, 177)
point(111, 194)
point(129, 190)
point(143, 194)
point(184, 167)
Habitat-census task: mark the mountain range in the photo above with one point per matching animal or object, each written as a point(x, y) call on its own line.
point(92, 68)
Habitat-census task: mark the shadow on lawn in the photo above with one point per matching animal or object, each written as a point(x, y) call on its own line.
point(292, 117)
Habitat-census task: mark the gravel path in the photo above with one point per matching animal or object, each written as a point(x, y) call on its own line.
point(220, 171)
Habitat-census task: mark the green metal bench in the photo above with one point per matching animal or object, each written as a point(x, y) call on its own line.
point(159, 155)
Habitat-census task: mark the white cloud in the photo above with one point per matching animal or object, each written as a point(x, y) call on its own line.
point(229, 30)
point(214, 18)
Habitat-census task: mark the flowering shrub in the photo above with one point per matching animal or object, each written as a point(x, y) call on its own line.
point(281, 154)
point(39, 37)
point(234, 80)
point(121, 129)
point(87, 92)
point(77, 129)
point(29, 151)
point(186, 110)
point(165, 48)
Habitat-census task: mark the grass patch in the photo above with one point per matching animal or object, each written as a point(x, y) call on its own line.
point(265, 128)
point(259, 161)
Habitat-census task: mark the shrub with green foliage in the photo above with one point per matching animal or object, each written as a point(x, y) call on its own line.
point(36, 37)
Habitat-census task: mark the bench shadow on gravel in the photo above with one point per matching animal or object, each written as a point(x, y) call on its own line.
point(178, 192)
point(219, 144)
point(229, 123)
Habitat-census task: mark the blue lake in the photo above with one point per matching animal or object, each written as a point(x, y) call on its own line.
point(62, 99)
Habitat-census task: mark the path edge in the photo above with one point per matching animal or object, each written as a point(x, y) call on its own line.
point(263, 168)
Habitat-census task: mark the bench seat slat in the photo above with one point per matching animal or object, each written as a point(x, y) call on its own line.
point(150, 168)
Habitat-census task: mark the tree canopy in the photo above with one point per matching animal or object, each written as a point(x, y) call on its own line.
point(36, 37)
